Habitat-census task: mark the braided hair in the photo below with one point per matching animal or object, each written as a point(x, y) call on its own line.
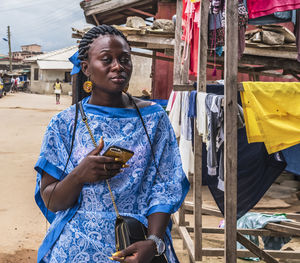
point(83, 51)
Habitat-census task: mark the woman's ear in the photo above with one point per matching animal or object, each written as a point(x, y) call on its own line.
point(85, 68)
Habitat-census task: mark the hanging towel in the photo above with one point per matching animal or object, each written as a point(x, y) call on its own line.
point(257, 8)
point(171, 101)
point(186, 126)
point(258, 221)
point(187, 155)
point(201, 115)
point(272, 113)
point(215, 135)
point(175, 113)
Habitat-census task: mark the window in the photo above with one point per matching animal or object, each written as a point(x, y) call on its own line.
point(36, 74)
point(67, 77)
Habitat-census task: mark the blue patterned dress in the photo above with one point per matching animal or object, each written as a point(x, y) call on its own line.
point(85, 232)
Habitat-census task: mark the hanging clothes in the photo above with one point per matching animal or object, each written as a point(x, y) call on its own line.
point(201, 121)
point(215, 127)
point(256, 170)
point(272, 113)
point(171, 101)
point(258, 8)
point(175, 114)
point(186, 125)
point(292, 158)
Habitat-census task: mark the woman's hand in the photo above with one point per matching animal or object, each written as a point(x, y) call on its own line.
point(94, 167)
point(139, 252)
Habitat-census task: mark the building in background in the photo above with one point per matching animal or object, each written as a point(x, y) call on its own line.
point(27, 52)
point(46, 68)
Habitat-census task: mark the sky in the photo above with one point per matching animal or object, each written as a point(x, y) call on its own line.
point(44, 22)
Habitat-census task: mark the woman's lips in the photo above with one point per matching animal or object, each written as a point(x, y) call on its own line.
point(118, 80)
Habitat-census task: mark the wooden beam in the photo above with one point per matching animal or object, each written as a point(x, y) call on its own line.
point(255, 249)
point(219, 252)
point(112, 5)
point(96, 20)
point(151, 56)
point(295, 231)
point(203, 39)
point(205, 210)
point(153, 41)
point(184, 234)
point(140, 12)
point(177, 44)
point(230, 128)
point(201, 86)
point(183, 87)
point(253, 232)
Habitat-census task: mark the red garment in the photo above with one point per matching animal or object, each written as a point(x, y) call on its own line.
point(190, 26)
point(257, 8)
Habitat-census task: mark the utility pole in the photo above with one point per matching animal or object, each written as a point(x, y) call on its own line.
point(9, 49)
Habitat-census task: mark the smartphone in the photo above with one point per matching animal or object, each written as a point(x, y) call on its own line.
point(117, 152)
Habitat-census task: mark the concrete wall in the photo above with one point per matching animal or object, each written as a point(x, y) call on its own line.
point(46, 80)
point(46, 87)
point(140, 78)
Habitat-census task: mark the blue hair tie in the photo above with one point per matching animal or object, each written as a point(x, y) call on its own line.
point(76, 62)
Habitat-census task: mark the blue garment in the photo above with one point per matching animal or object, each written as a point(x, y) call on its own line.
point(192, 104)
point(258, 221)
point(292, 157)
point(85, 232)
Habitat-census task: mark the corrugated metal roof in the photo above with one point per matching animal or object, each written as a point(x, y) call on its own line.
point(50, 64)
point(56, 55)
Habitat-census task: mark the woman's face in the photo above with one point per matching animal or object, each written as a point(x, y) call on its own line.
point(109, 63)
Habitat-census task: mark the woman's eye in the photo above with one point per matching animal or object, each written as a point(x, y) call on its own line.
point(124, 60)
point(106, 60)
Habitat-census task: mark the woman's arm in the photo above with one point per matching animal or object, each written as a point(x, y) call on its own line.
point(92, 169)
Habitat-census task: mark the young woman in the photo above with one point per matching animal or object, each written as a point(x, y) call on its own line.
point(75, 190)
point(57, 90)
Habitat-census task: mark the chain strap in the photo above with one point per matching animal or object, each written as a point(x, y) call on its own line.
point(84, 118)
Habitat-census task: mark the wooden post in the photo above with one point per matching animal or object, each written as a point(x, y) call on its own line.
point(230, 126)
point(201, 86)
point(202, 55)
point(9, 48)
point(177, 46)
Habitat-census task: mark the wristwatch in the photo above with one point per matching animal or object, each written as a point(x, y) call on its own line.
point(160, 244)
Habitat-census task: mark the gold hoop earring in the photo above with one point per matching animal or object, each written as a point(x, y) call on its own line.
point(88, 86)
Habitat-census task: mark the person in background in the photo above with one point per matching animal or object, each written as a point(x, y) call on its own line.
point(57, 90)
point(13, 83)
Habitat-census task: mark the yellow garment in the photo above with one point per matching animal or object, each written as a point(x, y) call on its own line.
point(272, 113)
point(195, 1)
point(57, 85)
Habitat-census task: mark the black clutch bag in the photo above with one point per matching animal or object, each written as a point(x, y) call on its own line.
point(129, 230)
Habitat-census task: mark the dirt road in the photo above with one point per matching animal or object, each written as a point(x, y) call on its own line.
point(24, 118)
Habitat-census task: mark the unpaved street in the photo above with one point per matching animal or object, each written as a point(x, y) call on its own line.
point(24, 118)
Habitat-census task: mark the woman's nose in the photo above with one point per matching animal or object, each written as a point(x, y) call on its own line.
point(117, 65)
